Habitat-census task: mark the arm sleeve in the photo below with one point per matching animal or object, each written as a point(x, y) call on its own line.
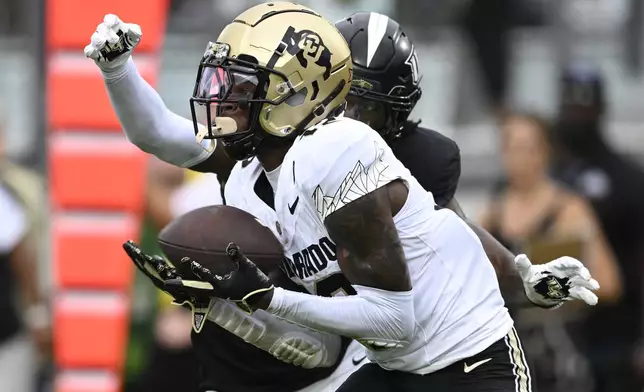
point(286, 341)
point(149, 124)
point(378, 318)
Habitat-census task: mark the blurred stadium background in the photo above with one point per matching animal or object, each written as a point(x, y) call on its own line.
point(56, 123)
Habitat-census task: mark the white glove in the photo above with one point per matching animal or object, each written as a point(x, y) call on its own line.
point(550, 285)
point(287, 342)
point(112, 43)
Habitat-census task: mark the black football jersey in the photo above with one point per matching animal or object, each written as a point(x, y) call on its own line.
point(434, 159)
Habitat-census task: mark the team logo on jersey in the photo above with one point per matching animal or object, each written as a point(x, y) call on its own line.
point(311, 260)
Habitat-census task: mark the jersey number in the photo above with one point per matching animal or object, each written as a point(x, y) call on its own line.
point(334, 285)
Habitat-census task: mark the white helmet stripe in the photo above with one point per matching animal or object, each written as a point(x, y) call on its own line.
point(376, 31)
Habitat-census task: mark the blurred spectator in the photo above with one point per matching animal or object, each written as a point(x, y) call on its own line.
point(487, 23)
point(25, 324)
point(14, 17)
point(615, 187)
point(532, 214)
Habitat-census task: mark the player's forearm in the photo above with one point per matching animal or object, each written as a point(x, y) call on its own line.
point(148, 123)
point(502, 259)
point(279, 337)
point(373, 316)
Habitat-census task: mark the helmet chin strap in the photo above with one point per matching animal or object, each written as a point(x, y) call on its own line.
point(222, 126)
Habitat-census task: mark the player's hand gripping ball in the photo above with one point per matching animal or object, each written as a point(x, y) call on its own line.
point(197, 243)
point(159, 270)
point(246, 285)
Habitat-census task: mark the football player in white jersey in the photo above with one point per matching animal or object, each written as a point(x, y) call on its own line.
point(304, 267)
point(409, 282)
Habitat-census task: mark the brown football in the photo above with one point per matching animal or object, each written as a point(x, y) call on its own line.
point(203, 235)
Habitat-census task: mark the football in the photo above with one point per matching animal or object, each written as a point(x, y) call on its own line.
point(203, 235)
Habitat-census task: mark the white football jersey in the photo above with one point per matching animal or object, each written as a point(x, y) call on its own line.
point(458, 305)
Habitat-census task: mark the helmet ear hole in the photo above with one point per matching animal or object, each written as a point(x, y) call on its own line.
point(298, 98)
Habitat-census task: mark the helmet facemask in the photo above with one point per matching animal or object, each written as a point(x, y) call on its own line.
point(227, 99)
point(384, 112)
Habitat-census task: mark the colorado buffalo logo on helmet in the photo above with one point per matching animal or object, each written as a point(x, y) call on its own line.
point(306, 46)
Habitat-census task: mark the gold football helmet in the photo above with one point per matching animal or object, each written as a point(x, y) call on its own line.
point(278, 69)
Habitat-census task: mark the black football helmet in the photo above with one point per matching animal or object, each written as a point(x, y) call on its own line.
point(386, 79)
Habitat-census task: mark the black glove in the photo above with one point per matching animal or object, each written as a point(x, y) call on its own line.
point(158, 270)
point(245, 286)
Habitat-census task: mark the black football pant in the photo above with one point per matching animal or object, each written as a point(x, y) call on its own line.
point(502, 367)
point(170, 371)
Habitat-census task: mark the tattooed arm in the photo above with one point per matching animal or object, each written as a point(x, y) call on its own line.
point(155, 129)
point(369, 250)
point(502, 259)
point(368, 193)
point(371, 258)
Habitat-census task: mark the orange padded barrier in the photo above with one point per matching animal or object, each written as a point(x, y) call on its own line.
point(90, 331)
point(81, 382)
point(76, 237)
point(97, 190)
point(90, 172)
point(76, 95)
point(70, 23)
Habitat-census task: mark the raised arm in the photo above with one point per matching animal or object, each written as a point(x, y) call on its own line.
point(146, 120)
